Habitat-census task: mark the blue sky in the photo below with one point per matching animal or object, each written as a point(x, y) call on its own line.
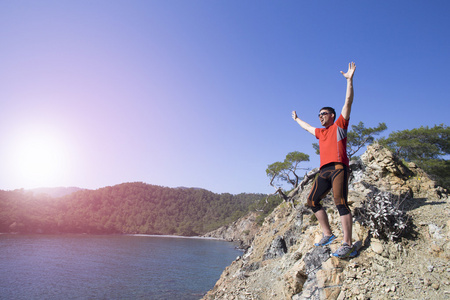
point(200, 93)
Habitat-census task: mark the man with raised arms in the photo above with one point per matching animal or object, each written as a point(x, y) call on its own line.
point(334, 165)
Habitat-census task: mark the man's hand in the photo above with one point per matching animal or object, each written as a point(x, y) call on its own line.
point(350, 72)
point(303, 124)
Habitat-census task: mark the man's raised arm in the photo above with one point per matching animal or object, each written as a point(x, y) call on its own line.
point(349, 95)
point(303, 124)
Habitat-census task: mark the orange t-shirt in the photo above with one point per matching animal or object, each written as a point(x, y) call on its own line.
point(333, 142)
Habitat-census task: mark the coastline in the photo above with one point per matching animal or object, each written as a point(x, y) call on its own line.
point(128, 234)
point(177, 236)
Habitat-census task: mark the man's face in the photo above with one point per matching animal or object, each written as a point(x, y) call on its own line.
point(326, 118)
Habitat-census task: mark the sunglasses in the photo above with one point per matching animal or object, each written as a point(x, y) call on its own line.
point(324, 113)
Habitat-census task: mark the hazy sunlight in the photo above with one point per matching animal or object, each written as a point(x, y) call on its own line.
point(39, 159)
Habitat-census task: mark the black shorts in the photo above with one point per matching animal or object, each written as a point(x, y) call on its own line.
point(334, 175)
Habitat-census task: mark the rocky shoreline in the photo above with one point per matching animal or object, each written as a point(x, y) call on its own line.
point(281, 263)
point(241, 232)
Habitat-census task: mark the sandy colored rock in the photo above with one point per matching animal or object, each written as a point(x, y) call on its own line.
point(376, 247)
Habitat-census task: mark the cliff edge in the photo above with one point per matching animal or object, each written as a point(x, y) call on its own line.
point(282, 263)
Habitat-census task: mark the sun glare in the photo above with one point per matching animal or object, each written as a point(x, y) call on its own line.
point(39, 159)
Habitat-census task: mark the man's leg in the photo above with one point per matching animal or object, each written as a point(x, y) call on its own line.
point(347, 223)
point(321, 187)
point(340, 193)
point(322, 217)
point(347, 249)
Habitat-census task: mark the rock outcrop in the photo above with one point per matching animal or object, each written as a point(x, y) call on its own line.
point(241, 231)
point(282, 262)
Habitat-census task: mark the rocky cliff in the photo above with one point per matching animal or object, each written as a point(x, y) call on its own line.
point(241, 231)
point(282, 262)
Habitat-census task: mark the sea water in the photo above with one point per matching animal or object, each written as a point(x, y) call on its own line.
point(110, 266)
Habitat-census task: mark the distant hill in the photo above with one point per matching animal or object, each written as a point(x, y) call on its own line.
point(125, 208)
point(55, 192)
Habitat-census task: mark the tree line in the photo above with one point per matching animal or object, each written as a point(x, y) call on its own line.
point(131, 208)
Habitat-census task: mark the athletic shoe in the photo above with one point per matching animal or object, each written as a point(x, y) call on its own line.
point(354, 253)
point(325, 240)
point(344, 251)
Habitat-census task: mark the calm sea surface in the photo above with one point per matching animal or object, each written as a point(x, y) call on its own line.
point(110, 266)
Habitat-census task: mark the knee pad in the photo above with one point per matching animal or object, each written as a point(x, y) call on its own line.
point(342, 209)
point(314, 205)
point(316, 208)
